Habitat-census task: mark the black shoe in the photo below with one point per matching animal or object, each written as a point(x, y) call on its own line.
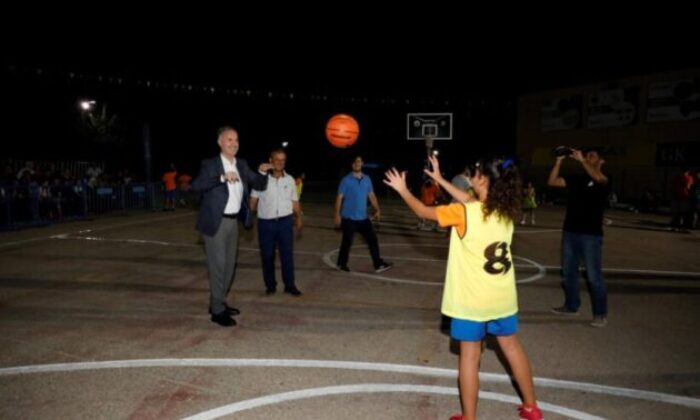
point(293, 291)
point(383, 267)
point(271, 291)
point(563, 310)
point(343, 268)
point(229, 310)
point(223, 319)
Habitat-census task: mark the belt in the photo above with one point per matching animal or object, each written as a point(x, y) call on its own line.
point(230, 216)
point(277, 219)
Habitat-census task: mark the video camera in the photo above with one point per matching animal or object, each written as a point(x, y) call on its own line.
point(563, 151)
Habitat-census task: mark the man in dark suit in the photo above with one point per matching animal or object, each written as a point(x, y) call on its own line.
point(224, 182)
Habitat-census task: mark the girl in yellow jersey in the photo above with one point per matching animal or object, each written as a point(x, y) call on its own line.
point(480, 294)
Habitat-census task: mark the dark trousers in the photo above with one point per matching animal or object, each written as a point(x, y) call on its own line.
point(682, 214)
point(273, 233)
point(589, 248)
point(365, 228)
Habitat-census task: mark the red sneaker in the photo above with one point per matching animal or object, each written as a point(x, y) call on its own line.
point(457, 417)
point(530, 413)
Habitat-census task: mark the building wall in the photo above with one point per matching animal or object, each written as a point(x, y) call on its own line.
point(648, 136)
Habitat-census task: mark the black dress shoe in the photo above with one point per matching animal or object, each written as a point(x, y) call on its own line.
point(270, 291)
point(293, 291)
point(229, 310)
point(223, 319)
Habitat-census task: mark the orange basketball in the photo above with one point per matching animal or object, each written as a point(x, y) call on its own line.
point(342, 130)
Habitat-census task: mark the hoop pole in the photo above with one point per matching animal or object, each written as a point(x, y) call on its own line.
point(429, 144)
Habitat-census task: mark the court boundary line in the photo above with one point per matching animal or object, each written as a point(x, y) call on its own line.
point(374, 388)
point(350, 365)
point(542, 269)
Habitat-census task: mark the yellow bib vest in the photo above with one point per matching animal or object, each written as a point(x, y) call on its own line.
point(480, 279)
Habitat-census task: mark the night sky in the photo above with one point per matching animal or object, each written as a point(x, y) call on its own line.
point(293, 92)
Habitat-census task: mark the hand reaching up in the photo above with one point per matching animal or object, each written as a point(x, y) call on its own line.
point(395, 179)
point(434, 172)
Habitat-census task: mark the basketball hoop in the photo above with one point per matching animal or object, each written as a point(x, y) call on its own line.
point(429, 126)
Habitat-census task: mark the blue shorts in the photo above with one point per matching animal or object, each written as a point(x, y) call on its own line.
point(464, 330)
point(170, 194)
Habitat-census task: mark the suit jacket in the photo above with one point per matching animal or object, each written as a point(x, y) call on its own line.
point(215, 193)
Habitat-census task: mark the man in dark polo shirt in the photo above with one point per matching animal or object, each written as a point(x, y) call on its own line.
point(582, 236)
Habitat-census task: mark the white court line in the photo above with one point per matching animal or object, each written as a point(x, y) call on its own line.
point(138, 222)
point(638, 271)
point(63, 235)
point(536, 231)
point(541, 271)
point(325, 256)
point(128, 241)
point(163, 243)
point(239, 406)
point(23, 241)
point(337, 364)
point(43, 238)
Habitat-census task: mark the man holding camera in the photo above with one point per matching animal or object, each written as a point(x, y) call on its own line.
point(582, 237)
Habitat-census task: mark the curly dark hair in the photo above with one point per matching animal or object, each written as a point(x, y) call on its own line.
point(505, 188)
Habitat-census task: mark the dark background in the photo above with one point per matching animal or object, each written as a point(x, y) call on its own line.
point(287, 92)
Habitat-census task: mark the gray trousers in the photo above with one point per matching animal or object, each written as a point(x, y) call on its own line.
point(221, 250)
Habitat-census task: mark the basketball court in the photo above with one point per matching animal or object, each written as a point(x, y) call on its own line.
point(108, 319)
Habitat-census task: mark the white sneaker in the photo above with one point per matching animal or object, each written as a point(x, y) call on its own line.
point(599, 321)
point(383, 267)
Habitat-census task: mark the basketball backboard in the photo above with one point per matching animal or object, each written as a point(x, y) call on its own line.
point(429, 125)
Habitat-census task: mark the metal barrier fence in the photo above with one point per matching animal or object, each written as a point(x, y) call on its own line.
point(38, 205)
point(144, 196)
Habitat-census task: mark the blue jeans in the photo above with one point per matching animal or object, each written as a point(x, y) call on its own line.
point(576, 247)
point(271, 234)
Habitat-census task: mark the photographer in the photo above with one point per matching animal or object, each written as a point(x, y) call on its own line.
point(582, 236)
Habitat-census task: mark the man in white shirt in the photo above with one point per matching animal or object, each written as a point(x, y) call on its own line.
point(224, 182)
point(279, 215)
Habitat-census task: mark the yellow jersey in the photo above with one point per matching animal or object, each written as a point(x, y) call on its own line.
point(480, 277)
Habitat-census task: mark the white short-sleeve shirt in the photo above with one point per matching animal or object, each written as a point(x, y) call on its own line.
point(276, 200)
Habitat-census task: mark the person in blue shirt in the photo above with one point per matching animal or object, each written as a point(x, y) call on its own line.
point(351, 215)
